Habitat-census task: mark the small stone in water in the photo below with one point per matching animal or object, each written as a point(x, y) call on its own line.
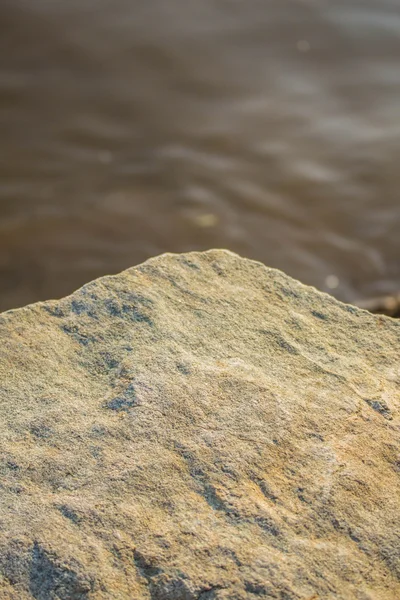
point(207, 220)
point(332, 282)
point(303, 46)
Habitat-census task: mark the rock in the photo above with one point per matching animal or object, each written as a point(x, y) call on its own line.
point(199, 427)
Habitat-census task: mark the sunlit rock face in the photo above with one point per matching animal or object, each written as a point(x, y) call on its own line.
point(199, 427)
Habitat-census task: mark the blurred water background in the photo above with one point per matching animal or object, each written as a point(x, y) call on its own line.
point(134, 127)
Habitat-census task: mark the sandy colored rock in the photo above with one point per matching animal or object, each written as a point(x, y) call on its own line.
point(199, 427)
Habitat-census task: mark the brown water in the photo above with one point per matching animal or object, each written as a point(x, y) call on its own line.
point(134, 127)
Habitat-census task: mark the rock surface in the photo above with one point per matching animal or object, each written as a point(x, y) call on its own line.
point(199, 427)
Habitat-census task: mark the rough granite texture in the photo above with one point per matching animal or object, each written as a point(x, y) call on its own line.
point(199, 427)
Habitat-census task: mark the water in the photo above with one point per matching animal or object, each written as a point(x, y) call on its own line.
point(131, 128)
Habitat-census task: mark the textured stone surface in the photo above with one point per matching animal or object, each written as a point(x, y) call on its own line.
point(199, 427)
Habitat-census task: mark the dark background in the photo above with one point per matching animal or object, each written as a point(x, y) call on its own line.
point(130, 128)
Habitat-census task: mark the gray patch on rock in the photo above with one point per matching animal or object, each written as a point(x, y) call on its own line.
point(380, 407)
point(48, 579)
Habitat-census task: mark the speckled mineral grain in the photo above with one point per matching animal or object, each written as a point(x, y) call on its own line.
point(199, 427)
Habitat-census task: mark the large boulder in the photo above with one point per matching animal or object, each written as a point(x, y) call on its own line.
point(199, 427)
